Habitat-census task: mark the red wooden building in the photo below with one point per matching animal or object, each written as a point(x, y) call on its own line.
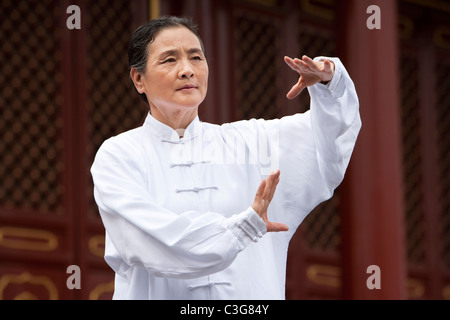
point(63, 92)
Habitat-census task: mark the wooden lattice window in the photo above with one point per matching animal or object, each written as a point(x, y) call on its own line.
point(257, 41)
point(443, 105)
point(31, 142)
point(414, 215)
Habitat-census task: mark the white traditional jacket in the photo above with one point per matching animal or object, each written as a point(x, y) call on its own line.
point(177, 211)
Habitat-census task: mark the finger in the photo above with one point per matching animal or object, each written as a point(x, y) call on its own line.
point(259, 203)
point(272, 180)
point(329, 66)
point(261, 188)
point(327, 70)
point(302, 65)
point(275, 174)
point(296, 89)
point(272, 192)
point(268, 188)
point(273, 186)
point(310, 62)
point(290, 62)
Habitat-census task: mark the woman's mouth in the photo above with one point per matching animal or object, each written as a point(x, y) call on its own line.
point(187, 87)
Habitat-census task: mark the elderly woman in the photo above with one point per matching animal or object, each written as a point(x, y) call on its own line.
point(185, 203)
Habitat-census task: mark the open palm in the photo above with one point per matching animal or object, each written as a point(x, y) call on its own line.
point(311, 72)
point(263, 197)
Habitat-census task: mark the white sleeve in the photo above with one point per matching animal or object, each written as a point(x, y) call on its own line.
point(335, 122)
point(311, 149)
point(319, 146)
point(143, 234)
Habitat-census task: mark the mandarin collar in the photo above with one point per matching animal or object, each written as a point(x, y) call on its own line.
point(167, 134)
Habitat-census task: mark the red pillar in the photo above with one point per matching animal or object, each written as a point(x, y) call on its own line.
point(373, 216)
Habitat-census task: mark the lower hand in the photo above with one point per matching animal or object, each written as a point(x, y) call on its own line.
point(263, 197)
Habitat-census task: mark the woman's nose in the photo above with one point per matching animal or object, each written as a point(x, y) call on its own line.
point(186, 70)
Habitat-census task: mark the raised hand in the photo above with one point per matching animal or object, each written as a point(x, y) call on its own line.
point(263, 197)
point(310, 73)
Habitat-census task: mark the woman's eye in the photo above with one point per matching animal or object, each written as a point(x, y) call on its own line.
point(197, 58)
point(169, 60)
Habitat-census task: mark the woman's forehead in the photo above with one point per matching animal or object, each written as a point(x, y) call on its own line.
point(173, 38)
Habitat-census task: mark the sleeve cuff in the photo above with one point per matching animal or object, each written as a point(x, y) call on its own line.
point(247, 227)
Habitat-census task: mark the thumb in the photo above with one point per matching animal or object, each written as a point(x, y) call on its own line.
point(276, 227)
point(296, 89)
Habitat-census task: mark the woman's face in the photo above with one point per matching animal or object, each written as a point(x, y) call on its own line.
point(176, 77)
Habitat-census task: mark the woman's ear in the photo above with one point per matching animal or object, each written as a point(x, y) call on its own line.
point(137, 79)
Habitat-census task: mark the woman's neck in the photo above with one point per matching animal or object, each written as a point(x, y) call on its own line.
point(177, 119)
